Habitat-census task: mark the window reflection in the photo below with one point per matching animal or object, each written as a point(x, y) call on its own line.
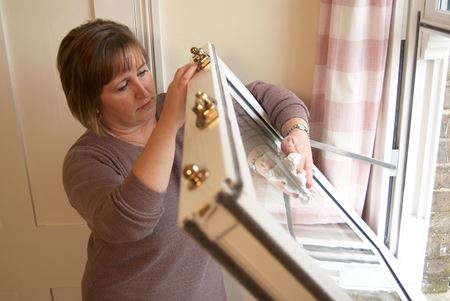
point(311, 217)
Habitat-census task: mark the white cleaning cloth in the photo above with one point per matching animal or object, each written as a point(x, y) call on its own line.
point(294, 186)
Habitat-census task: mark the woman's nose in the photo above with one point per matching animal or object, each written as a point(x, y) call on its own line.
point(141, 90)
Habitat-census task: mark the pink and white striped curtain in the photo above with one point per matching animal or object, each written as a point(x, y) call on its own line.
point(348, 81)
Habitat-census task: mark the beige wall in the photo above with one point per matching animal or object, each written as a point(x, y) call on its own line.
point(270, 40)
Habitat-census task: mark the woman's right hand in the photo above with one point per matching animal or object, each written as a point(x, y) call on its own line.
point(157, 157)
point(173, 113)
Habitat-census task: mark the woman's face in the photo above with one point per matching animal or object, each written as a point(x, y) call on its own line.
point(128, 101)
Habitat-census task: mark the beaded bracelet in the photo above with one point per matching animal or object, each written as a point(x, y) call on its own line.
point(297, 126)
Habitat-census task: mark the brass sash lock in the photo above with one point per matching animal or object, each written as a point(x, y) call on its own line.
point(205, 109)
point(200, 57)
point(195, 175)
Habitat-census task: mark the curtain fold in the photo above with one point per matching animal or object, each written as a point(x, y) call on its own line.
point(348, 80)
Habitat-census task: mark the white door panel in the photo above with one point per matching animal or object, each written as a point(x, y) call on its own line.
point(42, 239)
point(32, 40)
point(121, 10)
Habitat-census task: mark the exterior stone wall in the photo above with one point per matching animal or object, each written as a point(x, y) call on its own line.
point(437, 263)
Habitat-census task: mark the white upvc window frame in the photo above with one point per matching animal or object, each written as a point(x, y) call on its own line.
point(378, 209)
point(223, 214)
point(427, 105)
point(425, 59)
point(435, 16)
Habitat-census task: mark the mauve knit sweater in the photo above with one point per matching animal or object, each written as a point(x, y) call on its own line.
point(136, 250)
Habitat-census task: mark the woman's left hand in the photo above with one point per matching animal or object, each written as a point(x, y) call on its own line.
point(298, 142)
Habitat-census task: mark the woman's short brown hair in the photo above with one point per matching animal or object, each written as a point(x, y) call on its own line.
point(89, 57)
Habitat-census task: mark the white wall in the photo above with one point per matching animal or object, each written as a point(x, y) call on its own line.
point(270, 40)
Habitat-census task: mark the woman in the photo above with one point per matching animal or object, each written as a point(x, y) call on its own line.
point(122, 175)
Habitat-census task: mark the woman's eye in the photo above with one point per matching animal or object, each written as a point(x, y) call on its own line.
point(123, 87)
point(142, 73)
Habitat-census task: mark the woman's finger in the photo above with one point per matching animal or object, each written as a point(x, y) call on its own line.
point(288, 146)
point(309, 175)
point(185, 72)
point(301, 164)
point(188, 73)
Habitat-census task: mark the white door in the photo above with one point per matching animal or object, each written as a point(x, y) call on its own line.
point(42, 239)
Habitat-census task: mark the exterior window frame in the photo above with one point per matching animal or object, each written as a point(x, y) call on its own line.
point(434, 16)
point(416, 72)
point(423, 142)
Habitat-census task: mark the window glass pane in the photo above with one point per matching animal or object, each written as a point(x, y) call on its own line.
point(318, 225)
point(444, 5)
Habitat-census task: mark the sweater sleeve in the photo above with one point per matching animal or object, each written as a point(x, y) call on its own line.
point(279, 103)
point(116, 208)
